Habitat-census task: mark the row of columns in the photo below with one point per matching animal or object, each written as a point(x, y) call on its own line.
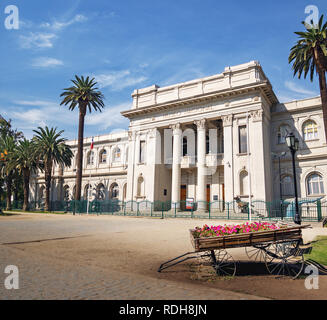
point(201, 163)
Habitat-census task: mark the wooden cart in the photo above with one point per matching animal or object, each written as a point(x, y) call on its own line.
point(280, 249)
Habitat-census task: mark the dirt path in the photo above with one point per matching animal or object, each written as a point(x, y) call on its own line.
point(138, 246)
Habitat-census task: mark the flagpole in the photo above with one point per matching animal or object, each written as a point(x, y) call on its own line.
point(249, 165)
point(88, 189)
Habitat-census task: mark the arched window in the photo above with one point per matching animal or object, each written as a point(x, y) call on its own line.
point(87, 192)
point(287, 186)
point(244, 183)
point(140, 187)
point(114, 191)
point(184, 146)
point(90, 158)
point(103, 156)
point(66, 193)
point(283, 131)
point(315, 184)
point(310, 130)
point(101, 192)
point(116, 154)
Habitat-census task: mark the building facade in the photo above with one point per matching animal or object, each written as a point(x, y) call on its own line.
point(210, 139)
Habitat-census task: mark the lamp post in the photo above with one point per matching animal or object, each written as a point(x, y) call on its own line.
point(293, 145)
point(279, 156)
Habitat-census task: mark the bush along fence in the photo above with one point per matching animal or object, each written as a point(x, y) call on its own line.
point(310, 209)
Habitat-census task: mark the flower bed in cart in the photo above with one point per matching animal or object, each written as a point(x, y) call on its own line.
point(241, 235)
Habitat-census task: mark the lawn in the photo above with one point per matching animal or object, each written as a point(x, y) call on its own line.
point(319, 250)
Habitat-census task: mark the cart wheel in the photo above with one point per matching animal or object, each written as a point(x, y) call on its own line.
point(284, 259)
point(256, 252)
point(223, 263)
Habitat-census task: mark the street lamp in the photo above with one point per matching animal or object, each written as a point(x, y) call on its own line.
point(293, 145)
point(279, 156)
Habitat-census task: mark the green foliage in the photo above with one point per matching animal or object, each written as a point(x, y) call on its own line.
point(309, 54)
point(83, 93)
point(51, 147)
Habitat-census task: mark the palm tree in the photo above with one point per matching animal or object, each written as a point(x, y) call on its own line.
point(7, 146)
point(84, 95)
point(25, 161)
point(51, 149)
point(310, 55)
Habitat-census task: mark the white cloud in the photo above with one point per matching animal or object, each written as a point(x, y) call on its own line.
point(46, 62)
point(296, 88)
point(59, 25)
point(37, 39)
point(118, 80)
point(110, 116)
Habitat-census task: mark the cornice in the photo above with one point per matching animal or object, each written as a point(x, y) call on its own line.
point(264, 87)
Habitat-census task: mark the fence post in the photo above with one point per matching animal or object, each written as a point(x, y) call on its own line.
point(162, 210)
point(209, 206)
point(319, 216)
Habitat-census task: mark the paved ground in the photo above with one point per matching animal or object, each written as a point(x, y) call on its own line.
point(90, 257)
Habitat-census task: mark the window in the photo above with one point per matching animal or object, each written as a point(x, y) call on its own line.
point(207, 144)
point(310, 130)
point(315, 184)
point(242, 134)
point(116, 154)
point(103, 156)
point(282, 133)
point(100, 195)
point(142, 152)
point(114, 191)
point(90, 158)
point(87, 192)
point(287, 186)
point(184, 146)
point(244, 183)
point(66, 193)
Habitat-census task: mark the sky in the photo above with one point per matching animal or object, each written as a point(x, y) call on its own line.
point(129, 44)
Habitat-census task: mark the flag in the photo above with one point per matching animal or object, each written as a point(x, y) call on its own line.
point(92, 144)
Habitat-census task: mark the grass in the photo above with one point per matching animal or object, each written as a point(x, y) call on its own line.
point(319, 250)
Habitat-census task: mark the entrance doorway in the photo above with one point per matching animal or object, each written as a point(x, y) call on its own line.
point(208, 196)
point(183, 198)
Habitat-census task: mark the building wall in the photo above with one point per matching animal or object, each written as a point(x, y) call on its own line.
point(240, 96)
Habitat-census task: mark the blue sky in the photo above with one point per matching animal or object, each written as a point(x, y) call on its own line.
point(130, 44)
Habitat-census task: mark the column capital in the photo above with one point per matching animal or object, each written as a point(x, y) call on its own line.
point(131, 135)
point(257, 115)
point(201, 124)
point(227, 120)
point(176, 127)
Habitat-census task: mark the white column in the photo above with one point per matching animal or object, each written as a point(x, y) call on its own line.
point(201, 196)
point(228, 158)
point(176, 166)
point(131, 166)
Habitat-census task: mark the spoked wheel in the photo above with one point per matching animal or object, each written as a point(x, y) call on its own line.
point(285, 259)
point(256, 253)
point(223, 263)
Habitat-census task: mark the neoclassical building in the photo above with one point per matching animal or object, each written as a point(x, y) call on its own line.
point(210, 139)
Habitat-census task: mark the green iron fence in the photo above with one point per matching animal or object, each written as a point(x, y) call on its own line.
point(310, 210)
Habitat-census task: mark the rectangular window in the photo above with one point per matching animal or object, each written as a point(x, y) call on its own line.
point(142, 152)
point(242, 138)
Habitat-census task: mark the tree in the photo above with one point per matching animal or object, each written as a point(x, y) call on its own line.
point(84, 95)
point(7, 146)
point(26, 161)
point(309, 55)
point(52, 150)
